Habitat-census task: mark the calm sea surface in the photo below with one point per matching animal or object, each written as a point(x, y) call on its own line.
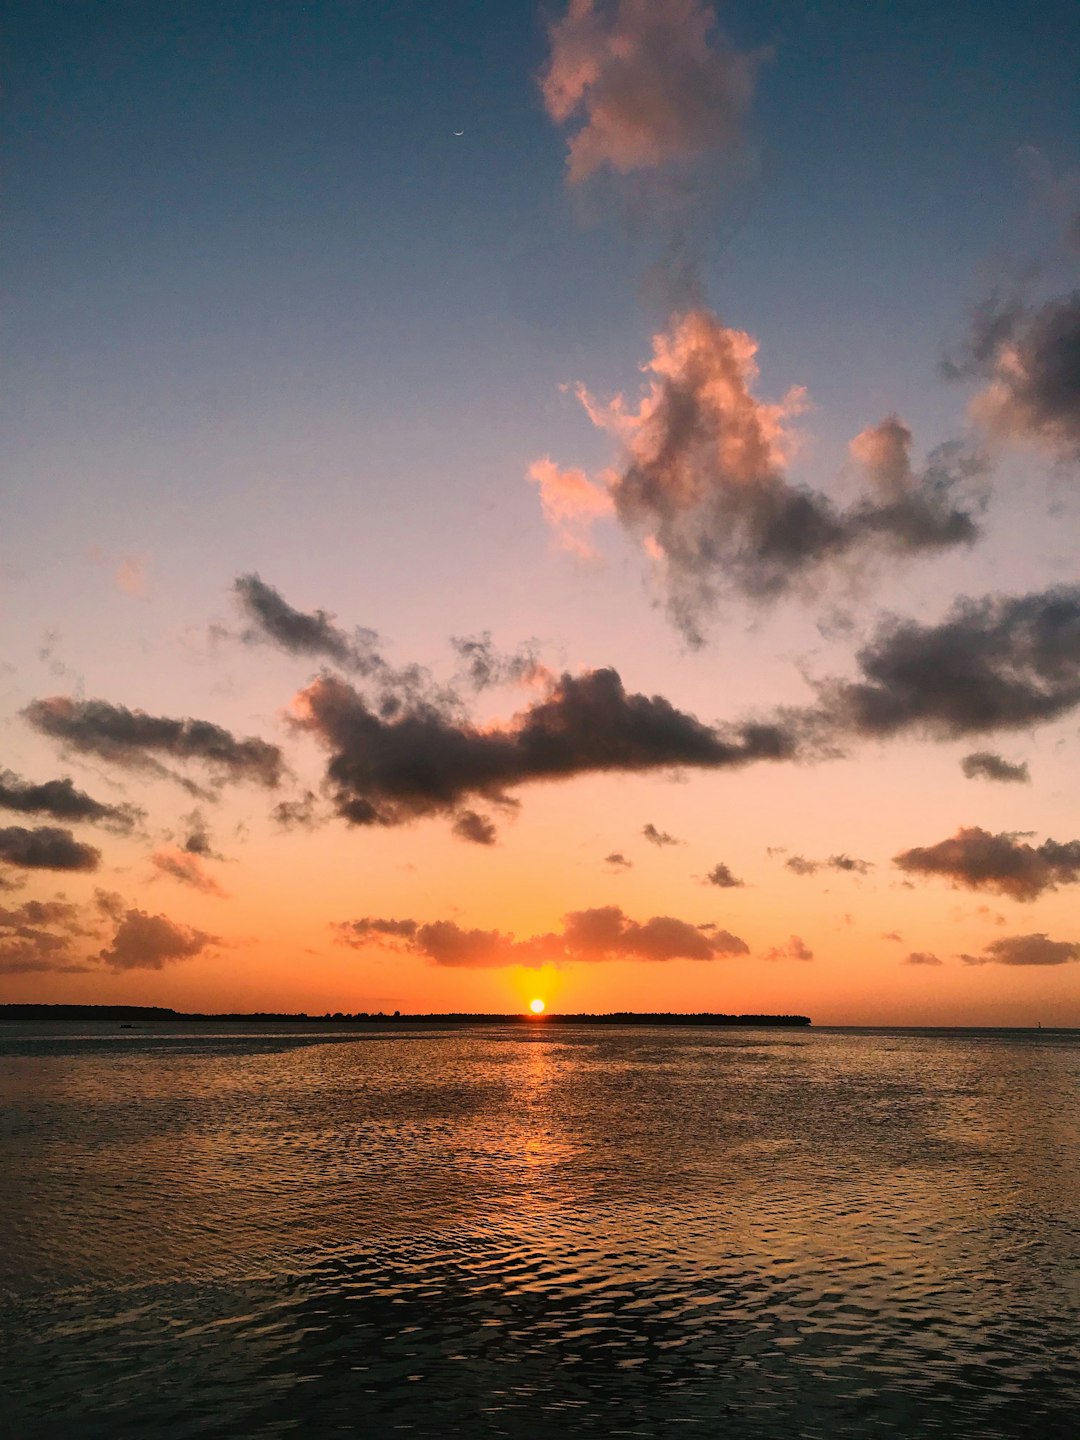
point(526, 1232)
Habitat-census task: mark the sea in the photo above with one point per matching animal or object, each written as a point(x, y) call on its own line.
point(529, 1231)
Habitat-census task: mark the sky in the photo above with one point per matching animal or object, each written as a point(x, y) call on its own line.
point(511, 501)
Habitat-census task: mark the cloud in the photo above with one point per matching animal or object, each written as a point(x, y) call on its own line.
point(46, 848)
point(359, 932)
point(29, 942)
point(109, 903)
point(149, 942)
point(921, 957)
point(485, 667)
point(1026, 950)
point(131, 576)
point(795, 949)
point(618, 861)
point(845, 864)
point(570, 502)
point(658, 837)
point(1030, 357)
point(424, 761)
point(974, 859)
point(648, 83)
point(701, 481)
point(61, 800)
point(197, 840)
point(892, 935)
point(298, 633)
point(985, 765)
point(477, 828)
point(187, 869)
point(722, 877)
point(132, 739)
point(600, 934)
point(297, 814)
point(995, 663)
point(314, 634)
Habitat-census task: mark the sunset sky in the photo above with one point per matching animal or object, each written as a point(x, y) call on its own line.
point(507, 501)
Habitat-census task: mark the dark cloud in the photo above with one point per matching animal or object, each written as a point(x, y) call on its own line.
point(313, 634)
point(61, 800)
point(618, 861)
point(149, 942)
point(659, 837)
point(187, 869)
point(1026, 950)
point(974, 859)
point(132, 739)
point(722, 877)
point(892, 935)
point(485, 667)
point(424, 761)
point(702, 482)
point(10, 882)
point(470, 825)
point(921, 957)
point(845, 864)
point(297, 814)
point(795, 949)
point(600, 934)
point(109, 903)
point(46, 848)
point(985, 765)
point(996, 663)
point(197, 841)
point(360, 932)
point(1030, 357)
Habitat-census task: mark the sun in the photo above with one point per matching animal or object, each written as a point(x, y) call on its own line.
point(536, 1006)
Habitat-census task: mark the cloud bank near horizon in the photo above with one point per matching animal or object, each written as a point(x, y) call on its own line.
point(603, 933)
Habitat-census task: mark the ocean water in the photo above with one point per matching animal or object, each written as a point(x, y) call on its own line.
point(522, 1232)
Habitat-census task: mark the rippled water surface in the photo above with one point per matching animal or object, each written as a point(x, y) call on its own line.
point(512, 1232)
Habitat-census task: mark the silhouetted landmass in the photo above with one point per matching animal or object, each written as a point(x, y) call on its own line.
point(153, 1013)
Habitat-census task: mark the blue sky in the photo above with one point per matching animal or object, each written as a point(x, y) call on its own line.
point(264, 311)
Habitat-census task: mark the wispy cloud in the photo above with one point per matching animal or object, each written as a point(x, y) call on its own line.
point(845, 864)
point(187, 869)
point(795, 949)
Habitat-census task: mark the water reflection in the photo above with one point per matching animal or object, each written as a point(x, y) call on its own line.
point(635, 1234)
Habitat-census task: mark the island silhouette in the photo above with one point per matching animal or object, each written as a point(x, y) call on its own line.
point(150, 1014)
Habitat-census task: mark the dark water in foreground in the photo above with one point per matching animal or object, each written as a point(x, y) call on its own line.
point(507, 1233)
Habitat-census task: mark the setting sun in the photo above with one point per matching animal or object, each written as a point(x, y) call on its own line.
point(536, 1006)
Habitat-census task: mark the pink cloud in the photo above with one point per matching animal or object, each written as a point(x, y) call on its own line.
point(649, 83)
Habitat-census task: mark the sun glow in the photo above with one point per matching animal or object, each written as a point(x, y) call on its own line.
point(536, 1006)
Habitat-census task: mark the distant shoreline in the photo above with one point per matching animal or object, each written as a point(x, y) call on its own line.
point(156, 1013)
